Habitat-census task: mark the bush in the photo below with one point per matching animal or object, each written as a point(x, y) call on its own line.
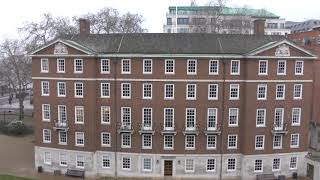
point(15, 128)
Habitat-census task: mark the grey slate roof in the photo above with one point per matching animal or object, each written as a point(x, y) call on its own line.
point(167, 43)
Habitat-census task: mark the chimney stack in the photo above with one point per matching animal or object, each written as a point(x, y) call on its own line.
point(84, 26)
point(259, 25)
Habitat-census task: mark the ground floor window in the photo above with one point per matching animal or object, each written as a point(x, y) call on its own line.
point(211, 165)
point(105, 162)
point(63, 159)
point(189, 165)
point(293, 163)
point(276, 164)
point(258, 166)
point(231, 164)
point(80, 161)
point(147, 164)
point(47, 158)
point(126, 163)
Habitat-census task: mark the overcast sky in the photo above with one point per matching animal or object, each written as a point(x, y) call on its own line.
point(14, 12)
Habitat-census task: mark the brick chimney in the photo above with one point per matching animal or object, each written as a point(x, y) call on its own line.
point(84, 26)
point(258, 26)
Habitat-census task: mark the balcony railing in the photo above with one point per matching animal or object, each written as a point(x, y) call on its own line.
point(61, 125)
point(191, 130)
point(212, 130)
point(146, 128)
point(279, 129)
point(124, 128)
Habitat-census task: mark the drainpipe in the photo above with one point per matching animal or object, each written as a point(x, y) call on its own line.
point(222, 117)
point(115, 61)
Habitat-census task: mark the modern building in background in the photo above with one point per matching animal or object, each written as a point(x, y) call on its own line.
point(297, 27)
point(225, 20)
point(183, 105)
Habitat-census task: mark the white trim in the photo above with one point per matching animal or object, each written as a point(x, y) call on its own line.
point(42, 94)
point(65, 89)
point(64, 65)
point(165, 66)
point(151, 164)
point(300, 112)
point(263, 74)
point(264, 117)
point(60, 159)
point(143, 86)
point(75, 90)
point(238, 70)
point(43, 136)
point(126, 169)
point(101, 115)
point(164, 144)
point(285, 68)
point(267, 47)
point(109, 65)
point(265, 92)
point(215, 143)
point(255, 143)
point(143, 66)
point(273, 164)
point(44, 71)
point(75, 136)
point(49, 157)
point(236, 144)
point(295, 68)
point(165, 92)
point(84, 161)
point(130, 141)
point(233, 125)
point(195, 92)
point(64, 42)
point(142, 139)
point(175, 80)
point(284, 92)
point(101, 92)
point(185, 166)
point(298, 141)
point(126, 97)
point(63, 143)
point(123, 72)
point(212, 60)
point(301, 91)
point(75, 114)
point(101, 137)
point(196, 62)
point(217, 92)
point(43, 119)
point(194, 120)
point(235, 165)
point(74, 66)
point(254, 167)
point(238, 92)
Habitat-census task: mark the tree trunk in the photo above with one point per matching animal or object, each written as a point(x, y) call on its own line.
point(21, 107)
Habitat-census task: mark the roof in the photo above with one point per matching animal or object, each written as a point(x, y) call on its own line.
point(171, 43)
point(259, 13)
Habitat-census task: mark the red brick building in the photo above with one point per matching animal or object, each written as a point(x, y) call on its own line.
point(183, 105)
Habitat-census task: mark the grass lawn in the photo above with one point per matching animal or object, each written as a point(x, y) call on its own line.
point(7, 177)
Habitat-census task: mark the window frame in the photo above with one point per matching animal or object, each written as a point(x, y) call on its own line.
point(164, 142)
point(215, 141)
point(102, 115)
point(75, 70)
point(78, 160)
point(299, 117)
point(231, 69)
point(59, 136)
point(263, 142)
point(236, 141)
point(165, 92)
point(107, 64)
point(273, 164)
point(122, 163)
point(214, 165)
point(77, 134)
point(144, 66)
point(75, 89)
point(237, 118)
point(235, 165)
point(296, 163)
point(264, 117)
point(188, 66)
point(166, 66)
point(58, 65)
point(185, 166)
point(107, 85)
point(285, 68)
point(297, 145)
point(103, 158)
point(280, 142)
point(186, 140)
point(75, 114)
point(43, 114)
point(238, 91)
point(61, 160)
point(164, 119)
point(42, 88)
point(143, 140)
point(294, 91)
point(217, 92)
point(143, 90)
point(295, 67)
point(44, 136)
point(265, 94)
point(195, 92)
point(47, 158)
point(58, 89)
point(122, 91)
point(42, 65)
point(129, 140)
point(122, 66)
point(283, 93)
point(143, 164)
point(255, 166)
point(103, 140)
point(213, 73)
point(259, 68)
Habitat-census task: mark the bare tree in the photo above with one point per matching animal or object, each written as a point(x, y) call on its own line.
point(108, 20)
point(15, 69)
point(39, 33)
point(239, 22)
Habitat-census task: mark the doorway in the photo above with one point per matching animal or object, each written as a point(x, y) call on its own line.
point(168, 167)
point(310, 171)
